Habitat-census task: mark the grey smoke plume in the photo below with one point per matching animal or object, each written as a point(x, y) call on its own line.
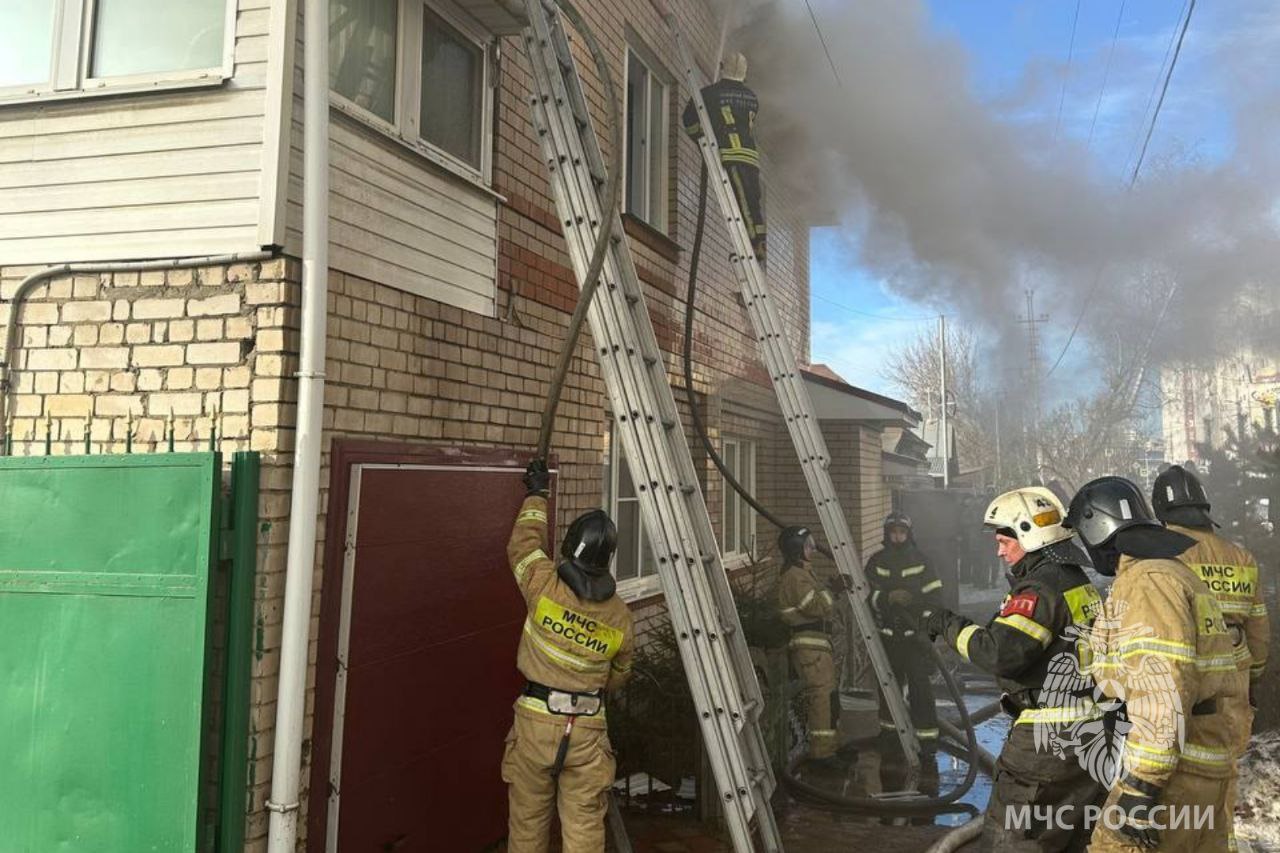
point(957, 206)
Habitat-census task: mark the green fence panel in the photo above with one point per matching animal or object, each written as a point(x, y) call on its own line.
point(104, 602)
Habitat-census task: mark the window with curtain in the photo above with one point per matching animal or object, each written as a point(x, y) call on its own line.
point(452, 101)
point(416, 72)
point(362, 53)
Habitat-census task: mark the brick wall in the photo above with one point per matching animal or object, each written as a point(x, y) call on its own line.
point(146, 353)
point(213, 351)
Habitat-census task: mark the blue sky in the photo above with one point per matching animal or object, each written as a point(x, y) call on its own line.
point(1018, 61)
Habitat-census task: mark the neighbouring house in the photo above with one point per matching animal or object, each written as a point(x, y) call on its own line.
point(1201, 403)
point(127, 134)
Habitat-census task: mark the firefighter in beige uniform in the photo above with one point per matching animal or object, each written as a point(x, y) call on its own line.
point(1231, 573)
point(577, 644)
point(1161, 647)
point(806, 606)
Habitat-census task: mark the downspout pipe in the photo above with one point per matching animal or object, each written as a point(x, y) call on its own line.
point(31, 282)
point(286, 768)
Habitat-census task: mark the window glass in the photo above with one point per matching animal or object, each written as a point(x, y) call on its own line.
point(627, 518)
point(731, 499)
point(739, 520)
point(362, 53)
point(637, 200)
point(143, 36)
point(26, 41)
point(634, 558)
point(452, 94)
point(656, 136)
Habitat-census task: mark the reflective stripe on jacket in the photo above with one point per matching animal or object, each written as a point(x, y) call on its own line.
point(566, 643)
point(1162, 646)
point(803, 600)
point(1232, 575)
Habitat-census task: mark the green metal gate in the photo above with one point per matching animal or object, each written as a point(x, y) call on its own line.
point(107, 566)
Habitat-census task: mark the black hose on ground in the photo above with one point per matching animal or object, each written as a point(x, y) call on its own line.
point(607, 217)
point(905, 805)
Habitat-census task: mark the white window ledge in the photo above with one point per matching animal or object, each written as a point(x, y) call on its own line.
point(166, 83)
point(374, 126)
point(634, 589)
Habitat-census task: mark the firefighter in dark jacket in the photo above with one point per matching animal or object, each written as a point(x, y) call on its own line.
point(806, 605)
point(732, 108)
point(904, 592)
point(576, 644)
point(1031, 641)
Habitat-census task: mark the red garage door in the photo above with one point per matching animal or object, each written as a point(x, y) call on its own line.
point(427, 628)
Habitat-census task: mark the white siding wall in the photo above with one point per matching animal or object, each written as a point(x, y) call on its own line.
point(152, 175)
point(396, 218)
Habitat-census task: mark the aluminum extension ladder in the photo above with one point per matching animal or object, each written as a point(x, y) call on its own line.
point(721, 677)
point(797, 408)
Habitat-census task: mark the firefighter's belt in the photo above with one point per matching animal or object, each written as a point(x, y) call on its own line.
point(810, 626)
point(566, 702)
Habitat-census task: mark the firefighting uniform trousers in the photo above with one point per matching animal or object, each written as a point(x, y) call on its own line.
point(817, 673)
point(1184, 790)
point(579, 793)
point(912, 667)
point(745, 179)
point(1027, 784)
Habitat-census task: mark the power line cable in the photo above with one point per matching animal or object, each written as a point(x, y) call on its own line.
point(1155, 86)
point(1176, 50)
point(1088, 300)
point(1106, 74)
point(1066, 77)
point(1186, 22)
point(821, 38)
point(872, 315)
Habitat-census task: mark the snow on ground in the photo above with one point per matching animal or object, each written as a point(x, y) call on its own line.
point(1258, 803)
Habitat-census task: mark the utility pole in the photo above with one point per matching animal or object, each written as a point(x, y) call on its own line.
point(1033, 322)
point(946, 444)
point(999, 473)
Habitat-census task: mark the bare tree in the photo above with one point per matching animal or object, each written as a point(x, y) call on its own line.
point(916, 368)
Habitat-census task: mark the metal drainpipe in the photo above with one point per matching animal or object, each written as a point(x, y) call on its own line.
point(286, 767)
point(28, 284)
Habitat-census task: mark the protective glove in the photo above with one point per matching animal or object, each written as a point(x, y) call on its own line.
point(537, 479)
point(839, 583)
point(1136, 801)
point(935, 624)
point(900, 597)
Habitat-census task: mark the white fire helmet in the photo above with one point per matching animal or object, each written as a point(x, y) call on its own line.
point(733, 67)
point(1033, 513)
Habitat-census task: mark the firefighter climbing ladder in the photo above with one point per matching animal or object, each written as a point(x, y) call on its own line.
point(797, 409)
point(721, 677)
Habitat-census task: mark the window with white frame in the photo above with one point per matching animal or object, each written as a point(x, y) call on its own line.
point(71, 47)
point(417, 71)
point(633, 566)
point(739, 530)
point(646, 141)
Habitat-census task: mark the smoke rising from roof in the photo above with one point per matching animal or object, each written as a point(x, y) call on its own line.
point(958, 207)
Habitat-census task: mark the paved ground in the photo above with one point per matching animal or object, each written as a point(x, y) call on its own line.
point(804, 830)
